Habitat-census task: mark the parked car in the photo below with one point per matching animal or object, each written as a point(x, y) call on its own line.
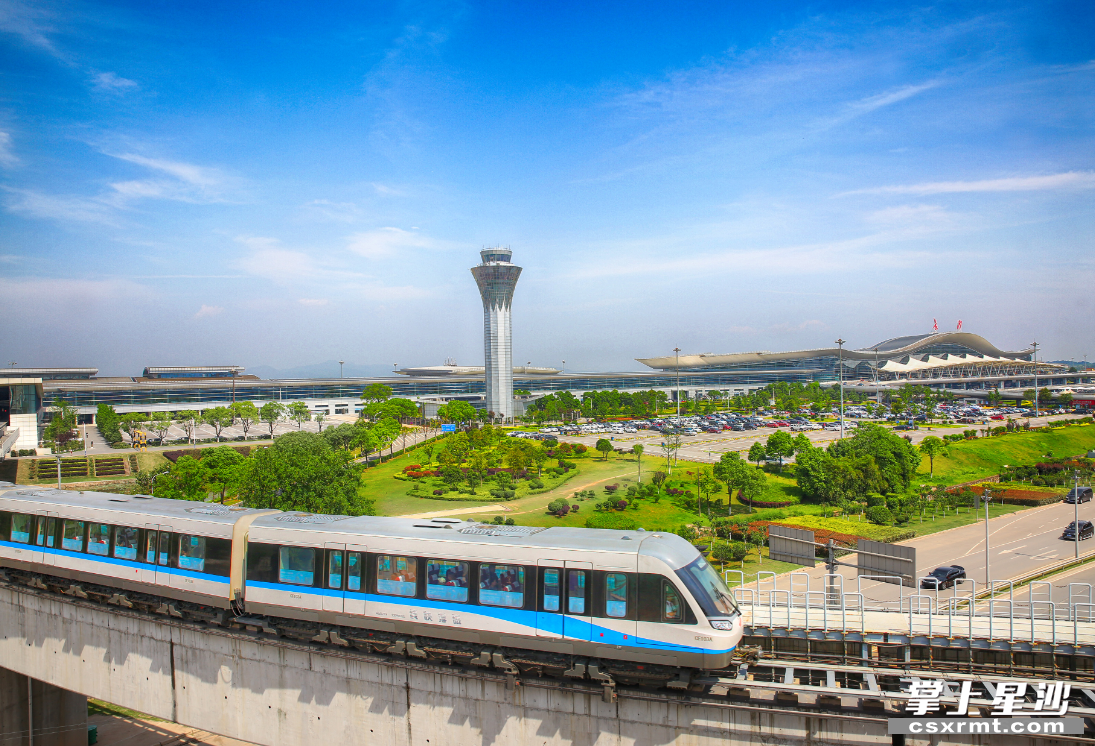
point(1083, 494)
point(943, 577)
point(1087, 530)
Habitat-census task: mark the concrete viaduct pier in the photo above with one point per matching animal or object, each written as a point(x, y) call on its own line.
point(277, 692)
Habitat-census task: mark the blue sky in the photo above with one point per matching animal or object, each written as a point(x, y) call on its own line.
point(280, 184)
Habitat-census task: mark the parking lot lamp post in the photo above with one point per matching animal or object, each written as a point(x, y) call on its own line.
point(1076, 511)
point(986, 497)
point(1035, 346)
point(840, 378)
point(58, 457)
point(677, 352)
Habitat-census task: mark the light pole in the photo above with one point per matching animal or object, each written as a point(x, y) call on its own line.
point(340, 363)
point(1076, 511)
point(677, 352)
point(986, 497)
point(877, 392)
point(1035, 346)
point(58, 457)
point(840, 378)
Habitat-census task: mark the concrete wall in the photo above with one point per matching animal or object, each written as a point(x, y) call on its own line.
point(36, 712)
point(285, 694)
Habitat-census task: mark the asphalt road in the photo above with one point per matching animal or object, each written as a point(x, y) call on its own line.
point(1018, 543)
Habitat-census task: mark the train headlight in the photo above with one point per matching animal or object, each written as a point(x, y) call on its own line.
point(723, 624)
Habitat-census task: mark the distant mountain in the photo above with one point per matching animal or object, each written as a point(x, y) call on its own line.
point(326, 369)
point(1074, 363)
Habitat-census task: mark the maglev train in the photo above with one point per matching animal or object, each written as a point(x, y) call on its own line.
point(641, 603)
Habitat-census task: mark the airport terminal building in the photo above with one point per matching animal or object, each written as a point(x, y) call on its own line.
point(958, 361)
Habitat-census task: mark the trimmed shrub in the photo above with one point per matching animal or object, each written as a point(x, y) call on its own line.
point(611, 520)
point(880, 515)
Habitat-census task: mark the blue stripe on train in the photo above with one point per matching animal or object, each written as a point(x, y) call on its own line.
point(522, 617)
point(223, 580)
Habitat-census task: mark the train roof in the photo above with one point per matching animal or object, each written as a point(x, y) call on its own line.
point(154, 507)
point(670, 547)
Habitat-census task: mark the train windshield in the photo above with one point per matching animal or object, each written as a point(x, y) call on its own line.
point(708, 589)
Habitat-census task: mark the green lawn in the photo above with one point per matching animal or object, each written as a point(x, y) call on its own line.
point(983, 457)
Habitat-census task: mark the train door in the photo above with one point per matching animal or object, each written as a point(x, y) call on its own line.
point(334, 576)
point(578, 600)
point(163, 555)
point(147, 571)
point(549, 604)
point(354, 595)
point(45, 536)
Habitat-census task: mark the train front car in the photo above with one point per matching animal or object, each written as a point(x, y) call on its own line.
point(171, 556)
point(643, 599)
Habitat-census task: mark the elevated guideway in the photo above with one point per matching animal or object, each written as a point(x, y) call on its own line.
point(242, 682)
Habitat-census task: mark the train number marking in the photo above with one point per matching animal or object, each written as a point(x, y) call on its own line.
point(295, 595)
point(704, 638)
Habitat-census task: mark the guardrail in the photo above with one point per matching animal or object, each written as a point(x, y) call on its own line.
point(995, 613)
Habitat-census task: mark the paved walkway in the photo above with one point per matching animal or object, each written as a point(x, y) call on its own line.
point(114, 730)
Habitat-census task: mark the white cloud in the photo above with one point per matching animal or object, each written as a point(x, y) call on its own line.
point(383, 242)
point(63, 299)
point(28, 20)
point(38, 205)
point(892, 97)
point(188, 172)
point(313, 301)
point(341, 212)
point(207, 311)
point(112, 83)
point(7, 158)
point(269, 261)
point(1066, 180)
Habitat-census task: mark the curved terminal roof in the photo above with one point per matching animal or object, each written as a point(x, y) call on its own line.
point(891, 348)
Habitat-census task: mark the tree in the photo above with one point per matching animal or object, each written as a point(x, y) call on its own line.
point(188, 419)
point(63, 423)
point(218, 418)
point(896, 459)
point(931, 447)
point(224, 468)
point(271, 413)
point(340, 436)
point(779, 444)
point(729, 470)
point(539, 457)
point(638, 451)
point(301, 472)
point(247, 414)
point(320, 416)
point(187, 480)
point(161, 423)
point(757, 453)
point(375, 393)
point(670, 445)
point(604, 446)
point(1029, 394)
point(801, 443)
point(298, 413)
point(456, 411)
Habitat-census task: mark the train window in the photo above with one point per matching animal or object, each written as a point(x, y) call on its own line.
point(707, 588)
point(502, 585)
point(552, 590)
point(125, 542)
point(98, 539)
point(262, 562)
point(396, 576)
point(165, 549)
point(353, 571)
point(616, 594)
point(576, 591)
point(21, 525)
point(73, 539)
point(192, 553)
point(150, 547)
point(297, 565)
point(218, 557)
point(672, 607)
point(47, 531)
point(447, 581)
point(334, 569)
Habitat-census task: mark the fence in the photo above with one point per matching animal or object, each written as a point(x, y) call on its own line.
point(996, 612)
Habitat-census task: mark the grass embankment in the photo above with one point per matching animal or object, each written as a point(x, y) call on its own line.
point(984, 457)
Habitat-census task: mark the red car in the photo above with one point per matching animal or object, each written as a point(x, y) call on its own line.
point(997, 417)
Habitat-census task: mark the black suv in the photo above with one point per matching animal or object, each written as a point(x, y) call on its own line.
point(943, 577)
point(1087, 530)
point(1083, 494)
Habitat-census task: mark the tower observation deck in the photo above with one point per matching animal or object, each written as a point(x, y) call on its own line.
point(497, 277)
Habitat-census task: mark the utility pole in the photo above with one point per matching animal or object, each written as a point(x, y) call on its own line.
point(986, 498)
point(677, 352)
point(1035, 346)
point(840, 377)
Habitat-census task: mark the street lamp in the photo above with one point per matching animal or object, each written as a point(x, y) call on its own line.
point(1035, 346)
point(840, 378)
point(677, 352)
point(986, 497)
point(1076, 511)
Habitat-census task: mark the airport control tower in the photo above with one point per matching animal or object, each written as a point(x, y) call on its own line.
point(497, 277)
